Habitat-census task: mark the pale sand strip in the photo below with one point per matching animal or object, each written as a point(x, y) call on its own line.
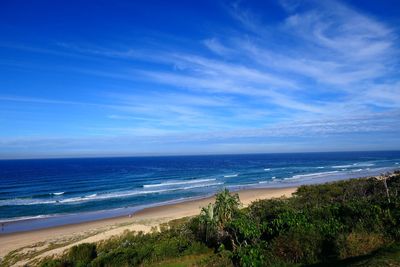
point(99, 230)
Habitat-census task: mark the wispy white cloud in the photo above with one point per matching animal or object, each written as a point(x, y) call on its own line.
point(274, 136)
point(215, 46)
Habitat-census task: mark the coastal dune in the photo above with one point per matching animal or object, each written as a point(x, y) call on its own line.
point(36, 244)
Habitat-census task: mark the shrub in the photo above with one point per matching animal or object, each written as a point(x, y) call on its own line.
point(83, 254)
point(298, 247)
point(358, 243)
point(250, 256)
point(267, 210)
point(55, 263)
point(220, 259)
point(243, 230)
point(118, 257)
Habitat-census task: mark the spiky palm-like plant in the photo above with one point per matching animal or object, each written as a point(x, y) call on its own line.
point(208, 220)
point(226, 204)
point(214, 217)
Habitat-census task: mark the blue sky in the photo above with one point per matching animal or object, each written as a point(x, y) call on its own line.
point(117, 78)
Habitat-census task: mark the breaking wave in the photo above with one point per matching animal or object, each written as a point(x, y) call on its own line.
point(231, 175)
point(93, 197)
point(196, 181)
point(311, 175)
point(57, 193)
point(342, 166)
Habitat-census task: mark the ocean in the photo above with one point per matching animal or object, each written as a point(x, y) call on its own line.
point(48, 192)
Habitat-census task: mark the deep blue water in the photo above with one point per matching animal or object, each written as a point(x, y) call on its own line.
point(31, 188)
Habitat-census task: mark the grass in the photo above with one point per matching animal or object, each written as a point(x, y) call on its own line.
point(185, 261)
point(29, 253)
point(388, 256)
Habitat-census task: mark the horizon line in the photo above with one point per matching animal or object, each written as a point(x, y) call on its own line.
point(189, 155)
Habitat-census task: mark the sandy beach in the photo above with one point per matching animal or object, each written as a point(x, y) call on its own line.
point(36, 244)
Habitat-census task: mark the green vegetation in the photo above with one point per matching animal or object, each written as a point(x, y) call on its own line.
point(346, 223)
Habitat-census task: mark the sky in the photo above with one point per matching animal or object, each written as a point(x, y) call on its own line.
point(126, 78)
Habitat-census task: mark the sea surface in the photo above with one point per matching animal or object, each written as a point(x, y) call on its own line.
point(49, 192)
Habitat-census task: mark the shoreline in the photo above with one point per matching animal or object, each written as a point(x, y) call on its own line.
point(40, 222)
point(141, 220)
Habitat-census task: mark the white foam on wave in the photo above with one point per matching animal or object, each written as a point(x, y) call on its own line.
point(24, 218)
point(363, 164)
point(231, 175)
point(351, 172)
point(197, 186)
point(315, 174)
point(267, 181)
point(321, 167)
point(109, 196)
point(28, 202)
point(93, 197)
point(134, 193)
point(342, 166)
point(267, 169)
point(358, 164)
point(178, 183)
point(24, 201)
point(57, 193)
